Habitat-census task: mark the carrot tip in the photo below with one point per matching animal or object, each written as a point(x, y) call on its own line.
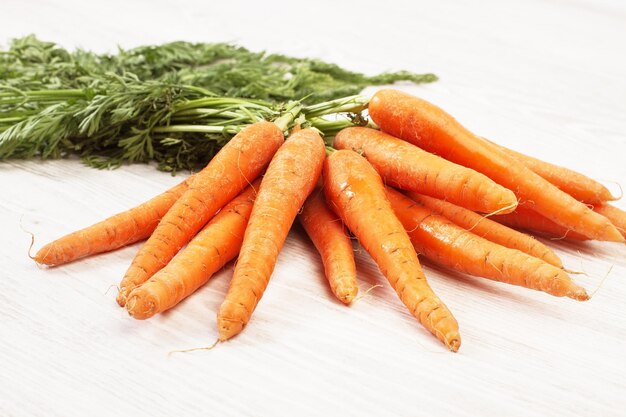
point(454, 344)
point(121, 297)
point(579, 295)
point(139, 307)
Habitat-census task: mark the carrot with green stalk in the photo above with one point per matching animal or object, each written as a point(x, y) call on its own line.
point(288, 181)
point(429, 127)
point(355, 191)
point(215, 245)
point(447, 244)
point(403, 165)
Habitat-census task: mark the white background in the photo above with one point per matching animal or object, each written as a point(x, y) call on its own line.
point(544, 77)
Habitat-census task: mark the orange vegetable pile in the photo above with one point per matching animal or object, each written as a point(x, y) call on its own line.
point(416, 183)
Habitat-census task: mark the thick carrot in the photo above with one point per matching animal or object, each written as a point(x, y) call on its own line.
point(429, 127)
point(122, 229)
point(288, 181)
point(408, 167)
point(577, 185)
point(524, 218)
point(333, 243)
point(449, 245)
point(238, 163)
point(615, 215)
point(488, 229)
point(215, 245)
point(355, 191)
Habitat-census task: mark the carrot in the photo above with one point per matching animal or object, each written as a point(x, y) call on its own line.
point(333, 243)
point(432, 129)
point(355, 191)
point(615, 215)
point(577, 185)
point(525, 218)
point(290, 178)
point(408, 167)
point(238, 163)
point(215, 245)
point(122, 229)
point(451, 246)
point(488, 229)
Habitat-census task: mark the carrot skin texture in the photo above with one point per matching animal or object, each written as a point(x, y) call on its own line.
point(288, 181)
point(214, 246)
point(403, 165)
point(525, 218)
point(355, 191)
point(449, 245)
point(488, 229)
point(117, 231)
point(329, 236)
point(616, 215)
point(432, 129)
point(579, 186)
point(237, 164)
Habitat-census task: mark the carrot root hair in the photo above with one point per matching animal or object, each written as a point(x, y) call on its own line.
point(171, 352)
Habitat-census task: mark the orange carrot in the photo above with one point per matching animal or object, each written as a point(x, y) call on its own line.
point(449, 245)
point(122, 229)
point(215, 245)
point(333, 243)
point(577, 185)
point(408, 167)
point(615, 215)
point(290, 178)
point(432, 129)
point(488, 229)
point(524, 218)
point(238, 163)
point(355, 191)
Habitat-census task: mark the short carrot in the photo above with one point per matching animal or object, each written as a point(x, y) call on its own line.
point(355, 191)
point(579, 186)
point(429, 127)
point(403, 165)
point(447, 244)
point(524, 218)
point(122, 229)
point(488, 229)
point(333, 243)
point(215, 245)
point(615, 215)
point(237, 164)
point(288, 181)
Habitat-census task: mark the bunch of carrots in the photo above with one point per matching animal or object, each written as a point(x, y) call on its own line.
point(417, 182)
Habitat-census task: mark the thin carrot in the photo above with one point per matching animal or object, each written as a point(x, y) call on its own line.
point(429, 127)
point(579, 186)
point(615, 215)
point(488, 229)
point(122, 229)
point(238, 163)
point(355, 191)
point(408, 167)
point(525, 218)
point(215, 245)
point(288, 181)
point(449, 245)
point(333, 243)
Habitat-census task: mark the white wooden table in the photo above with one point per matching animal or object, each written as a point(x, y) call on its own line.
point(545, 77)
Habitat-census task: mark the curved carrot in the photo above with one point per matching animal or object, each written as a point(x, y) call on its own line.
point(238, 163)
point(215, 245)
point(408, 167)
point(579, 186)
point(288, 181)
point(615, 215)
point(333, 243)
point(122, 229)
point(355, 191)
point(488, 229)
point(449, 245)
point(432, 129)
point(525, 218)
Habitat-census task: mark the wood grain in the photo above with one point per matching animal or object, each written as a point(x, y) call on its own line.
point(543, 77)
